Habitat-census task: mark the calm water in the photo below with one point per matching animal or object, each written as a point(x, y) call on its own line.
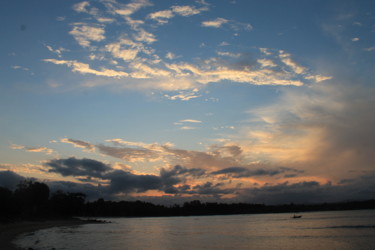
point(316, 230)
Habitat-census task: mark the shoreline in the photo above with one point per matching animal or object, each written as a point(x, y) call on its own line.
point(10, 231)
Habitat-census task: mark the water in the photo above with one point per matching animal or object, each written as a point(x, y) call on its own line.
point(315, 230)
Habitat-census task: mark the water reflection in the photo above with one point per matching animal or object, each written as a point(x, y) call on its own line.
point(318, 230)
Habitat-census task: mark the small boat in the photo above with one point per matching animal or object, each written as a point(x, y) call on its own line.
point(296, 216)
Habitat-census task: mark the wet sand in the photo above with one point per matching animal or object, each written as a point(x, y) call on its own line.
point(10, 231)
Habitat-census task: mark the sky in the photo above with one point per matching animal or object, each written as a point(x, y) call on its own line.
point(168, 101)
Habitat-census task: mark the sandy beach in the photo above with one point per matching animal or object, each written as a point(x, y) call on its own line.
point(10, 231)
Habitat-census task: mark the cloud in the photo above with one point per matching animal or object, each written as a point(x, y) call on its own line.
point(79, 144)
point(181, 122)
point(84, 68)
point(33, 149)
point(266, 63)
point(182, 96)
point(144, 36)
point(78, 167)
point(145, 70)
point(240, 172)
point(245, 75)
point(16, 67)
point(217, 157)
point(191, 121)
point(58, 51)
point(178, 171)
point(217, 23)
point(9, 179)
point(161, 16)
point(286, 59)
point(128, 53)
point(234, 25)
point(105, 19)
point(265, 51)
point(318, 78)
point(140, 154)
point(234, 55)
point(370, 49)
point(187, 128)
point(170, 56)
point(81, 7)
point(132, 7)
point(127, 182)
point(185, 10)
point(324, 129)
point(85, 34)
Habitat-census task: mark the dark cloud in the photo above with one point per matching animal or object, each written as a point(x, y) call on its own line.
point(210, 188)
point(92, 192)
point(9, 179)
point(179, 171)
point(239, 172)
point(126, 182)
point(121, 183)
point(78, 167)
point(302, 192)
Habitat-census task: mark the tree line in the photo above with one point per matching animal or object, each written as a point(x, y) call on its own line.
point(33, 200)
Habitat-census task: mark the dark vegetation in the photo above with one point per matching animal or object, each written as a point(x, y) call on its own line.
point(32, 200)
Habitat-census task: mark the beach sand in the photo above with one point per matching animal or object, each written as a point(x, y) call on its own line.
point(10, 231)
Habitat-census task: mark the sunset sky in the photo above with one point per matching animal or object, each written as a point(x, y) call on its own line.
point(228, 100)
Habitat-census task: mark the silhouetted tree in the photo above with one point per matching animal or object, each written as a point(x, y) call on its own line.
point(32, 197)
point(7, 204)
point(67, 203)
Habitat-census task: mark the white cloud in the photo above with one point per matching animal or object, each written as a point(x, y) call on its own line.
point(234, 25)
point(85, 33)
point(355, 39)
point(186, 10)
point(170, 56)
point(58, 51)
point(191, 121)
point(20, 67)
point(229, 54)
point(105, 19)
point(127, 54)
point(370, 48)
point(187, 128)
point(84, 68)
point(266, 63)
point(161, 16)
point(217, 23)
point(318, 78)
point(142, 70)
point(144, 36)
point(224, 44)
point(286, 59)
point(256, 77)
point(182, 96)
point(130, 8)
point(265, 51)
point(81, 7)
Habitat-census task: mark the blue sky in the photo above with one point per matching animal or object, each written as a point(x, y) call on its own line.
point(245, 97)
